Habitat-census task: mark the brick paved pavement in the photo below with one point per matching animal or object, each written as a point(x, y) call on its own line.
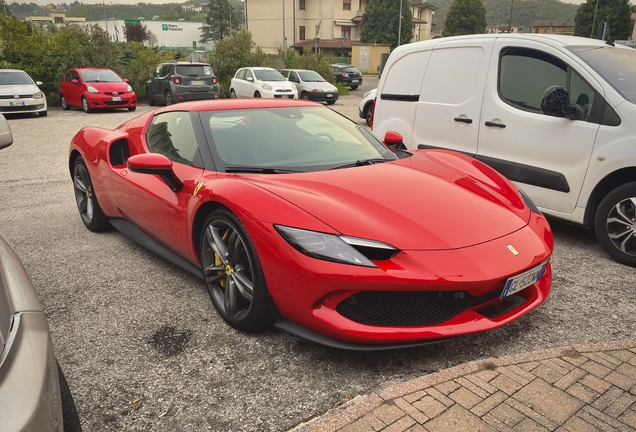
point(574, 389)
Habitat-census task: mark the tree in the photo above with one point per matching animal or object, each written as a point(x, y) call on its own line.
point(310, 61)
point(222, 18)
point(136, 32)
point(4, 9)
point(232, 53)
point(465, 17)
point(381, 23)
point(616, 12)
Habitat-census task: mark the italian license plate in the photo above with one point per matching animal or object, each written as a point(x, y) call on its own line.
point(524, 280)
point(329, 95)
point(354, 81)
point(197, 82)
point(116, 98)
point(17, 103)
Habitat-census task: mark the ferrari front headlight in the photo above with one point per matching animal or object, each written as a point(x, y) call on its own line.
point(341, 249)
point(266, 86)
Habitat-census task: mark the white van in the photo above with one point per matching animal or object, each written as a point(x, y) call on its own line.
point(554, 114)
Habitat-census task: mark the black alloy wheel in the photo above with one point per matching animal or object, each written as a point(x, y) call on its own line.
point(304, 95)
point(233, 274)
point(87, 204)
point(615, 224)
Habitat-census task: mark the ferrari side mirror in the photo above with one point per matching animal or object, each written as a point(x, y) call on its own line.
point(394, 141)
point(157, 164)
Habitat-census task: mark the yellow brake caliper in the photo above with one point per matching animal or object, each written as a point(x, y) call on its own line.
point(217, 259)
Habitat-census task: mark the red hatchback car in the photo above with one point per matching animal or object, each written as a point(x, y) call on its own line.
point(96, 88)
point(297, 217)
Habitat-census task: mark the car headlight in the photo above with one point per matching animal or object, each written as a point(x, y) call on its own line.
point(341, 249)
point(92, 89)
point(129, 89)
point(266, 86)
point(38, 95)
point(317, 90)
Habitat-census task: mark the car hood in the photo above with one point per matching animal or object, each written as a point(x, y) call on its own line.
point(418, 203)
point(323, 85)
point(120, 87)
point(18, 89)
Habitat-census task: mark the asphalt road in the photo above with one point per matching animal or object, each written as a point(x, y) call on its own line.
point(143, 348)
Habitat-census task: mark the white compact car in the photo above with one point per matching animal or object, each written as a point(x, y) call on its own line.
point(19, 94)
point(261, 82)
point(554, 114)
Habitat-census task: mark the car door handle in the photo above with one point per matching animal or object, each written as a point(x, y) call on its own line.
point(499, 125)
point(463, 120)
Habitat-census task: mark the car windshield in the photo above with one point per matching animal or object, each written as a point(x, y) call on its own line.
point(194, 70)
point(268, 75)
point(300, 139)
point(311, 76)
point(616, 65)
point(101, 75)
point(15, 78)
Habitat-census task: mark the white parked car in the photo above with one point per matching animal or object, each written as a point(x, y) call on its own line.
point(554, 114)
point(261, 82)
point(311, 86)
point(19, 94)
point(365, 109)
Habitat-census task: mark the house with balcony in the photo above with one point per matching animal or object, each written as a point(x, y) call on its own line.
point(326, 25)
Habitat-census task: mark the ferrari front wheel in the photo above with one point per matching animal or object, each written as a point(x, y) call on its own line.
point(233, 274)
point(87, 204)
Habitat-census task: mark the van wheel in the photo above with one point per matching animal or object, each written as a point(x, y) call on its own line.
point(615, 224)
point(70, 418)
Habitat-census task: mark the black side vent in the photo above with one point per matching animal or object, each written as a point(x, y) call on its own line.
point(118, 152)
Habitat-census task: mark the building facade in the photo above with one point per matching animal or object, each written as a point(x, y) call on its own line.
point(54, 18)
point(277, 24)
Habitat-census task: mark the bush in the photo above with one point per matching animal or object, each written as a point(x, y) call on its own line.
point(233, 53)
point(342, 89)
point(137, 61)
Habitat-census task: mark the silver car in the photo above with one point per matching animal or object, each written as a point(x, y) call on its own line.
point(34, 395)
point(19, 94)
point(311, 85)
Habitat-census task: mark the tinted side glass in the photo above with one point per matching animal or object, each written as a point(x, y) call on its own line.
point(172, 135)
point(293, 77)
point(581, 93)
point(525, 74)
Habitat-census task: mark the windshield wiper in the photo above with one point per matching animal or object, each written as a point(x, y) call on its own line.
point(362, 162)
point(259, 170)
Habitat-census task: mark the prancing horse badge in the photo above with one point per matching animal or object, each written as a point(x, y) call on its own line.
point(512, 249)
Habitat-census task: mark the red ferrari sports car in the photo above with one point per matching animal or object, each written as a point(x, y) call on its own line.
point(297, 217)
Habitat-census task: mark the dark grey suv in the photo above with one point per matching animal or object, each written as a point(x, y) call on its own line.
point(174, 82)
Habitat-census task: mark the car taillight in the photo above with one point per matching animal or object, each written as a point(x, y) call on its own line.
point(372, 114)
point(214, 80)
point(176, 80)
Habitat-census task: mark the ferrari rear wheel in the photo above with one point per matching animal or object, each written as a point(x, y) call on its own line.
point(87, 204)
point(233, 274)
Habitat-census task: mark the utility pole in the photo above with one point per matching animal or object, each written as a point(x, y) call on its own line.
point(400, 25)
point(284, 37)
point(594, 20)
point(105, 18)
point(512, 2)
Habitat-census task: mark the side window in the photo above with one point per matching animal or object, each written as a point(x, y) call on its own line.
point(248, 74)
point(285, 73)
point(158, 71)
point(241, 74)
point(171, 134)
point(525, 74)
point(293, 76)
point(165, 70)
point(68, 77)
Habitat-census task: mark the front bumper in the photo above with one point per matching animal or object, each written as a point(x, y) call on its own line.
point(273, 94)
point(102, 101)
point(22, 106)
point(29, 385)
point(308, 291)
